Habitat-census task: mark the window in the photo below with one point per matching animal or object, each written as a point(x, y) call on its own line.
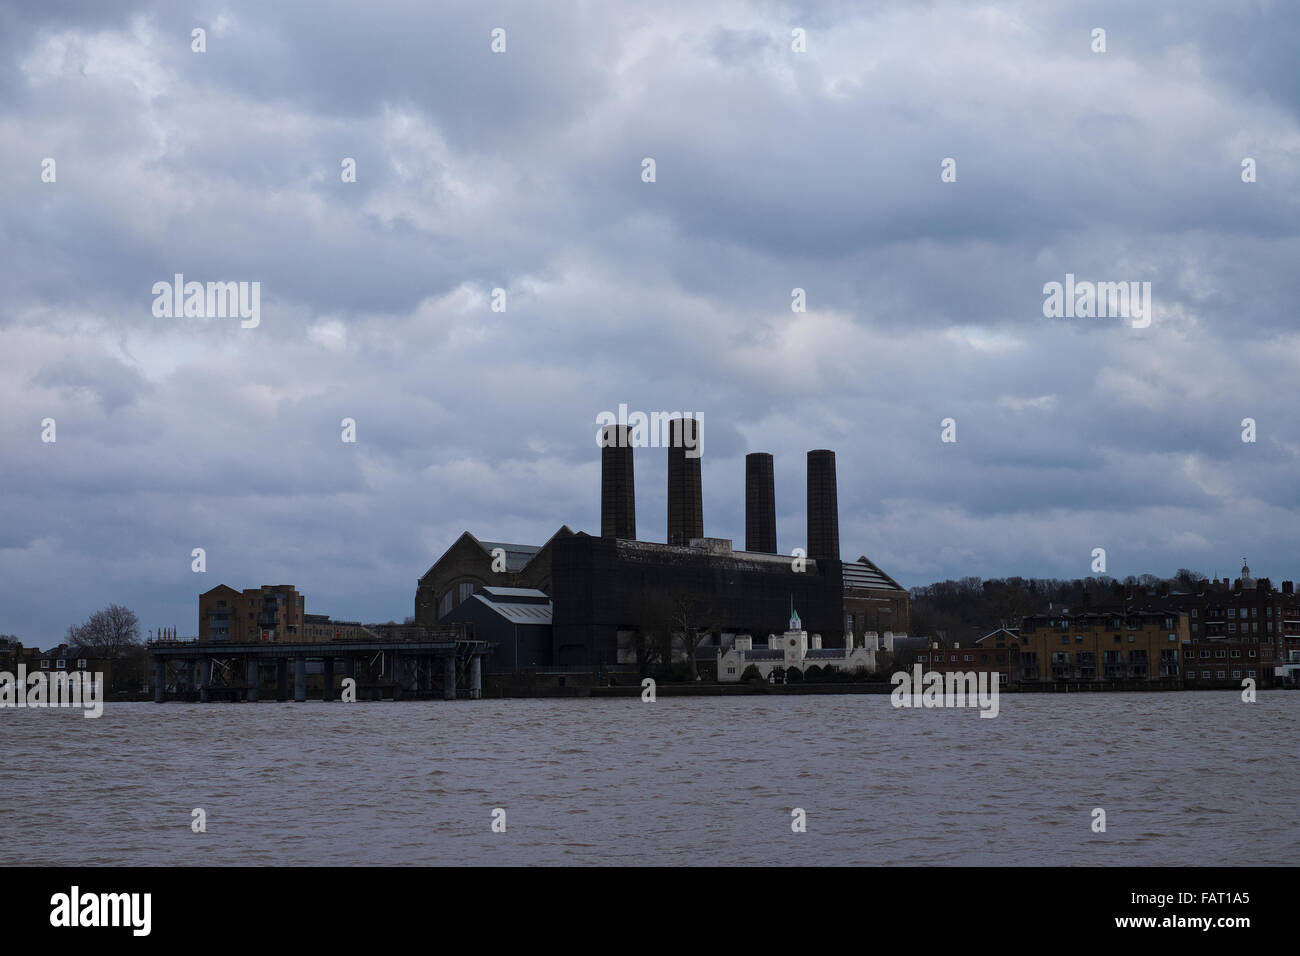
point(1195, 627)
point(1065, 638)
point(1236, 653)
point(1232, 628)
point(1205, 675)
point(1220, 653)
point(61, 663)
point(1131, 638)
point(1189, 654)
point(1250, 653)
point(1173, 637)
point(1236, 673)
point(1250, 673)
point(1086, 664)
point(1220, 674)
point(1193, 612)
point(1205, 653)
point(1078, 638)
point(1232, 612)
point(466, 590)
point(969, 657)
point(45, 664)
point(81, 663)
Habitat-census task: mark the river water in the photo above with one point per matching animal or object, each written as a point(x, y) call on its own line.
point(1184, 778)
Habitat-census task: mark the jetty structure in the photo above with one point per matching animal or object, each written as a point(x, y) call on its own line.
point(440, 663)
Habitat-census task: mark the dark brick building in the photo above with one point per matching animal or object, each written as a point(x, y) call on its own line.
point(608, 591)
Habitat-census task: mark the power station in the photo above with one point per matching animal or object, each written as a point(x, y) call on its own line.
point(582, 600)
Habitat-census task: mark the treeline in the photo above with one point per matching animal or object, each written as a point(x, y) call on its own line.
point(971, 607)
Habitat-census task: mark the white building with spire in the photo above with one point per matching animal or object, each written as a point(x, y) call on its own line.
point(794, 648)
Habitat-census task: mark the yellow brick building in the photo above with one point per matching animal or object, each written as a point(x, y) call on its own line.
point(1141, 645)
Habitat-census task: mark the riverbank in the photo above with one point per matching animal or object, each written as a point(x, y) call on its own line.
point(583, 685)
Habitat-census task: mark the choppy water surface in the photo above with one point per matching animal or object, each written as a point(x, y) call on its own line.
point(1185, 778)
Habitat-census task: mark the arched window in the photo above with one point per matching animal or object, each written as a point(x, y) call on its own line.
point(455, 595)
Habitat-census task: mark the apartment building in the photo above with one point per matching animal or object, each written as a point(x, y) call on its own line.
point(1102, 646)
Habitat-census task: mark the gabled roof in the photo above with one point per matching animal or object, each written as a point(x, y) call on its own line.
point(517, 555)
point(220, 587)
point(1012, 633)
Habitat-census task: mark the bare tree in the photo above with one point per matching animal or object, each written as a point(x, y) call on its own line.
point(693, 619)
point(111, 633)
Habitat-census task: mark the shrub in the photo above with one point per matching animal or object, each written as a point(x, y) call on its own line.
point(793, 675)
point(751, 673)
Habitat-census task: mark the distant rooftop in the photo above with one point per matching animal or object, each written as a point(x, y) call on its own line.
point(517, 555)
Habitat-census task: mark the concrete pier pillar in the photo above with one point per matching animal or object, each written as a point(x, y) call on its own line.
point(475, 676)
point(300, 679)
point(254, 679)
point(449, 677)
point(159, 679)
point(193, 680)
point(397, 676)
point(281, 679)
point(205, 679)
point(328, 693)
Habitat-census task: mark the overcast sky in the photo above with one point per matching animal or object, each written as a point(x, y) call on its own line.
point(522, 170)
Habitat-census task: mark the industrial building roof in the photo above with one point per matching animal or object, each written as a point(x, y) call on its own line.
point(515, 592)
point(862, 574)
point(517, 613)
point(654, 550)
point(517, 555)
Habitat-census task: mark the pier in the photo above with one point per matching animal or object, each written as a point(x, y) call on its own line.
point(440, 666)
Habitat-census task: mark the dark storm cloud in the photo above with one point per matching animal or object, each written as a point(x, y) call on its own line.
point(775, 171)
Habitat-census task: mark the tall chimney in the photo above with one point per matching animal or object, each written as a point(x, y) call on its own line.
point(760, 504)
point(617, 492)
point(685, 495)
point(823, 508)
